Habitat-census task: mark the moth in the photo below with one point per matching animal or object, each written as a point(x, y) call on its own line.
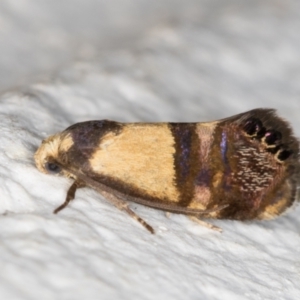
point(244, 167)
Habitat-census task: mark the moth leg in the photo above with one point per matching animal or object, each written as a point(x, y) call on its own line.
point(70, 194)
point(123, 205)
point(205, 224)
point(138, 218)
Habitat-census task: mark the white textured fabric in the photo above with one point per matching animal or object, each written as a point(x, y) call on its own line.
point(62, 62)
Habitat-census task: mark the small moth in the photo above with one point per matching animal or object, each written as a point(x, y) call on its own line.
point(243, 167)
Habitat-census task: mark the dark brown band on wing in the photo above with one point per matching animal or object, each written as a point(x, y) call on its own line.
point(186, 160)
point(86, 137)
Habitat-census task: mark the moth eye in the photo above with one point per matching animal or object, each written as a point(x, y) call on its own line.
point(284, 154)
point(272, 136)
point(253, 126)
point(52, 168)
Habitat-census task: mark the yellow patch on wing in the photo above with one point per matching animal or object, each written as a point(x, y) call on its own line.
point(142, 155)
point(279, 205)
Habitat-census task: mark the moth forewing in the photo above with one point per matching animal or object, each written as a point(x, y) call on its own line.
point(243, 167)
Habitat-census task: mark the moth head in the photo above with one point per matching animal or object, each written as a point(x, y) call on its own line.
point(46, 157)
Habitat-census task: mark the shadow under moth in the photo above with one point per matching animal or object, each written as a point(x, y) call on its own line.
point(243, 167)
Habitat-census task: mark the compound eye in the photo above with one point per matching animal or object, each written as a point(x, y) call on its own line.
point(52, 168)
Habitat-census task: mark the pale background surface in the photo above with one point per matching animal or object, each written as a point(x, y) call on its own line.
point(67, 61)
